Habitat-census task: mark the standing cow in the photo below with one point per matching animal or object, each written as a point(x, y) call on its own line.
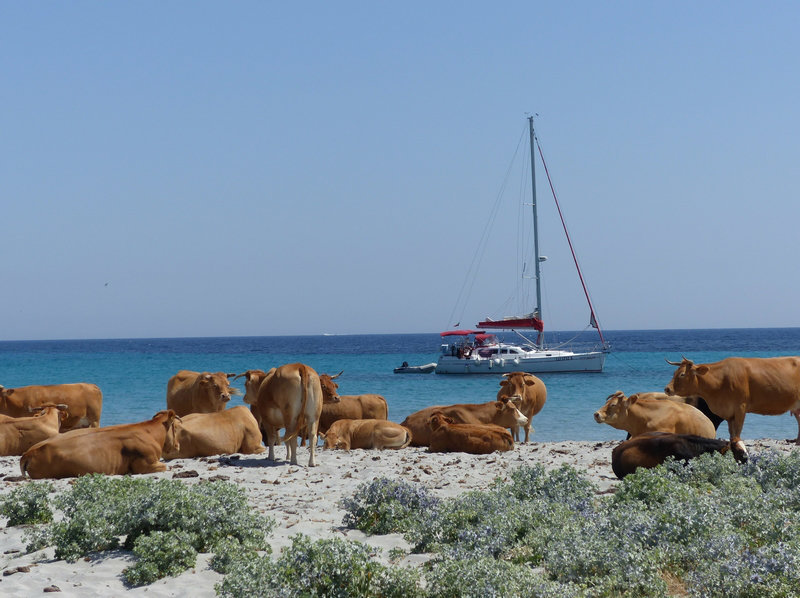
point(289, 397)
point(199, 392)
point(84, 402)
point(529, 394)
point(736, 386)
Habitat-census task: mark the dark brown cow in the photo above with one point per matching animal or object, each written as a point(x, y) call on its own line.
point(736, 386)
point(528, 392)
point(638, 415)
point(113, 450)
point(289, 397)
point(366, 434)
point(84, 402)
point(652, 449)
point(19, 434)
point(199, 392)
point(477, 439)
point(500, 413)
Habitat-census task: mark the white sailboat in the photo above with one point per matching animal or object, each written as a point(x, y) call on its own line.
point(477, 351)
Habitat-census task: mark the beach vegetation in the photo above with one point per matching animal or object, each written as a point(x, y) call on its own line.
point(334, 568)
point(711, 527)
point(161, 554)
point(27, 504)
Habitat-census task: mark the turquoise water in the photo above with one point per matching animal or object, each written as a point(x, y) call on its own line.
point(133, 373)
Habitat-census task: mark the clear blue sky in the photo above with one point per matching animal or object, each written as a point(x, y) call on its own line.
point(267, 168)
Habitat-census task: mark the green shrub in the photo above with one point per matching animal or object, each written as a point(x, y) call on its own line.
point(161, 554)
point(329, 567)
point(27, 504)
point(383, 506)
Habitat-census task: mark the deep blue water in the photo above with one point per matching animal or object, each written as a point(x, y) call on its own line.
point(133, 373)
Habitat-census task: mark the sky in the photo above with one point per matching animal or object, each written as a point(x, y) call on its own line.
point(244, 168)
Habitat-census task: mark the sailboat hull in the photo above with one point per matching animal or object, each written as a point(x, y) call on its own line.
point(539, 362)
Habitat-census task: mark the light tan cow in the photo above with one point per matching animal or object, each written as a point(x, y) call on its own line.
point(500, 413)
point(84, 402)
point(113, 450)
point(638, 415)
point(736, 386)
point(366, 434)
point(233, 430)
point(199, 392)
point(288, 397)
point(477, 439)
point(19, 434)
point(529, 394)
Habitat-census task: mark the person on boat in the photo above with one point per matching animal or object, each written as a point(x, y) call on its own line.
point(404, 365)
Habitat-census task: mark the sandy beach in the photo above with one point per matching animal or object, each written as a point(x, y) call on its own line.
point(301, 500)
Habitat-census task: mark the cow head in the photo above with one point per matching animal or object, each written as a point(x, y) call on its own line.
point(217, 388)
point(253, 380)
point(685, 380)
point(508, 415)
point(330, 389)
point(439, 419)
point(616, 408)
point(170, 420)
point(331, 440)
point(514, 386)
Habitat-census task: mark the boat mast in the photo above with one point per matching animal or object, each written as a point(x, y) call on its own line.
point(537, 313)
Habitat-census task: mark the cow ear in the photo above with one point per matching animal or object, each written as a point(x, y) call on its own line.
point(503, 383)
point(633, 398)
point(701, 370)
point(529, 381)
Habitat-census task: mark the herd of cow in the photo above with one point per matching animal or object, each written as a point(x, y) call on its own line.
point(56, 429)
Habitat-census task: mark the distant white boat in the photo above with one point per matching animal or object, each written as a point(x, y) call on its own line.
point(479, 352)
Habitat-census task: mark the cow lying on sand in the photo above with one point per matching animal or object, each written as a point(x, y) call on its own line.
point(500, 413)
point(366, 434)
point(113, 450)
point(653, 448)
point(638, 415)
point(477, 439)
point(233, 430)
point(19, 434)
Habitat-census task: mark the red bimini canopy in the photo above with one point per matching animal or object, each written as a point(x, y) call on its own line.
point(511, 323)
point(460, 332)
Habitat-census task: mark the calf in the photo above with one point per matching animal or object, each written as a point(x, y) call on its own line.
point(652, 449)
point(500, 413)
point(528, 392)
point(366, 434)
point(477, 439)
point(19, 434)
point(233, 430)
point(638, 415)
point(113, 450)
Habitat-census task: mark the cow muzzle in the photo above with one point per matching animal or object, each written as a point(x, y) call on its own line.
point(599, 417)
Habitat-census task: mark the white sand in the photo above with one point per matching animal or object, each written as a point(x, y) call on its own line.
point(300, 500)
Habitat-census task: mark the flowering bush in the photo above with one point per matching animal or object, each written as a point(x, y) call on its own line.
point(383, 506)
point(27, 504)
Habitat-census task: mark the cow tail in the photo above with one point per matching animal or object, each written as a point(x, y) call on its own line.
point(301, 417)
point(23, 465)
point(408, 438)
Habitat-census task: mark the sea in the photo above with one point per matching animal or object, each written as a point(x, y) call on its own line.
point(133, 373)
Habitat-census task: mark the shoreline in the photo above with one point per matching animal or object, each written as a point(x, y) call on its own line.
point(301, 500)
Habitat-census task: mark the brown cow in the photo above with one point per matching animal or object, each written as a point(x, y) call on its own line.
point(500, 413)
point(366, 434)
point(638, 415)
point(736, 386)
point(336, 406)
point(19, 434)
point(529, 394)
point(233, 430)
point(652, 449)
point(477, 439)
point(199, 392)
point(287, 397)
point(84, 402)
point(113, 450)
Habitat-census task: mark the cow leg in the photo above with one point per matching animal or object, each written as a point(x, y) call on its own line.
point(146, 465)
point(312, 443)
point(735, 425)
point(796, 414)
